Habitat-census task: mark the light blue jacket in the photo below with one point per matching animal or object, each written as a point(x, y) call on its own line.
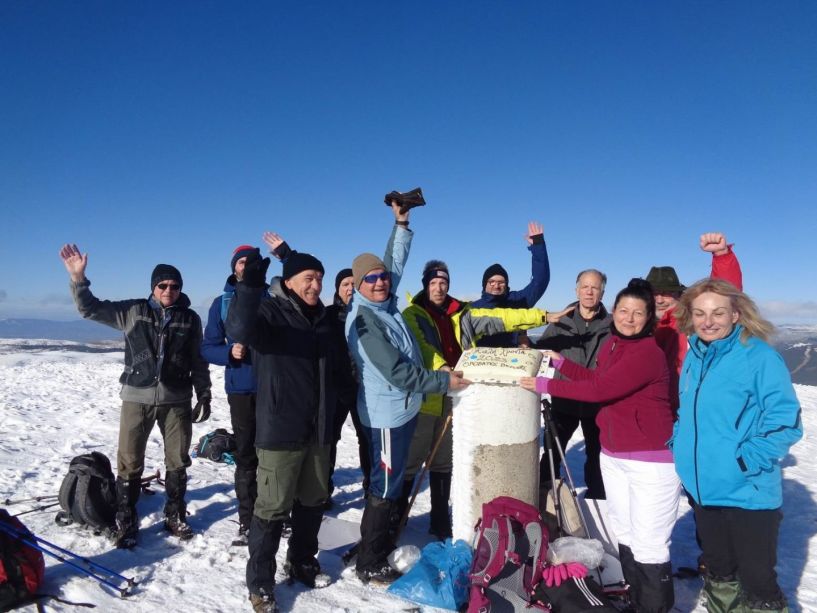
point(388, 359)
point(738, 417)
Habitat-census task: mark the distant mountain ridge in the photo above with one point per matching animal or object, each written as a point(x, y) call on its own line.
point(796, 343)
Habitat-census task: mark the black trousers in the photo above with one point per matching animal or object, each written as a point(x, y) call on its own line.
point(742, 543)
point(566, 424)
point(242, 416)
point(342, 410)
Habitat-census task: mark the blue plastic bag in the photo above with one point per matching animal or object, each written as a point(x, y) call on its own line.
point(440, 577)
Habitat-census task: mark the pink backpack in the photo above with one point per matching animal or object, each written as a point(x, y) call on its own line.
point(509, 557)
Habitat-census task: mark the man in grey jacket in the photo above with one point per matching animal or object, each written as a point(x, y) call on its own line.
point(162, 366)
point(578, 338)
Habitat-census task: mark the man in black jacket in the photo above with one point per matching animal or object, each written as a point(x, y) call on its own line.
point(292, 344)
point(162, 366)
point(578, 338)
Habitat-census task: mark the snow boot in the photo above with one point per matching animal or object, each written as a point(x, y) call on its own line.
point(127, 521)
point(754, 605)
point(175, 507)
point(264, 538)
point(625, 556)
point(440, 522)
point(263, 602)
point(303, 546)
point(398, 510)
point(656, 590)
point(243, 536)
point(372, 565)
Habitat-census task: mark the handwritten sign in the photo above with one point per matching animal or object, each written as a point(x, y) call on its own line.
point(504, 365)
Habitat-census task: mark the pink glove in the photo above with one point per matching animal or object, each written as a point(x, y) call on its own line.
point(556, 574)
point(542, 385)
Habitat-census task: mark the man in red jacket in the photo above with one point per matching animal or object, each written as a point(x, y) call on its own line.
point(667, 290)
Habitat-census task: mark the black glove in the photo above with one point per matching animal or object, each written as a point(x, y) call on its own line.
point(282, 251)
point(255, 270)
point(406, 200)
point(201, 412)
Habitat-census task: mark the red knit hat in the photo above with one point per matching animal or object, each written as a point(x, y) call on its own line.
point(241, 251)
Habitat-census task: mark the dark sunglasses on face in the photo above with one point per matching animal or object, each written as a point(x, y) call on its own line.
point(174, 287)
point(383, 276)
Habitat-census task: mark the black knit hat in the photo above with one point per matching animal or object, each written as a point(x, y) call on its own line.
point(165, 272)
point(435, 269)
point(664, 279)
point(241, 251)
point(493, 269)
point(346, 272)
point(299, 262)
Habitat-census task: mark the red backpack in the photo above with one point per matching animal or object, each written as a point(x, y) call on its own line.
point(21, 565)
point(509, 557)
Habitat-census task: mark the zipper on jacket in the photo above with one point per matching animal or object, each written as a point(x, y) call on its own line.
point(704, 369)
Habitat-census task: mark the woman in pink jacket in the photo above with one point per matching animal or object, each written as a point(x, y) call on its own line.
point(631, 382)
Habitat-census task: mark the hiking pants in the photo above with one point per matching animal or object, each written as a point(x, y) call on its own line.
point(388, 450)
point(642, 505)
point(425, 436)
point(287, 475)
point(741, 543)
point(242, 418)
point(135, 423)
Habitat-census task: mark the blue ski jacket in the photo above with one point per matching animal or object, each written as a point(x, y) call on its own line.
point(738, 417)
point(525, 298)
point(386, 353)
point(239, 376)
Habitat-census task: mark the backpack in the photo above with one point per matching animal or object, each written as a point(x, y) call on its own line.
point(218, 446)
point(574, 595)
point(21, 566)
point(88, 493)
point(509, 557)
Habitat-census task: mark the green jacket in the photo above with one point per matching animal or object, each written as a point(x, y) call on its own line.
point(470, 324)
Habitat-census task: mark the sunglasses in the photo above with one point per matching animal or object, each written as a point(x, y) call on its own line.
point(383, 276)
point(174, 287)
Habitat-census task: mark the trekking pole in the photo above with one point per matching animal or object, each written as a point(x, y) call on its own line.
point(9, 502)
point(352, 551)
point(31, 541)
point(554, 492)
point(12, 531)
point(42, 507)
point(421, 477)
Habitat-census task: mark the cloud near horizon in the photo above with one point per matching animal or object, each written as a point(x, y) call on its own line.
point(780, 309)
point(3, 295)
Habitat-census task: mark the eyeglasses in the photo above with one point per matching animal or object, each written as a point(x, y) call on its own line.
point(174, 287)
point(373, 278)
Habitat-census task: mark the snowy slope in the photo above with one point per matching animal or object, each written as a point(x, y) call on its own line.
point(57, 404)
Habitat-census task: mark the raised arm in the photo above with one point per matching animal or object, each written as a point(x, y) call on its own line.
point(243, 316)
point(398, 247)
point(725, 263)
point(540, 268)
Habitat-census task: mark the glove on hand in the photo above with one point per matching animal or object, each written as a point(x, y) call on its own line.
point(255, 270)
point(282, 251)
point(201, 412)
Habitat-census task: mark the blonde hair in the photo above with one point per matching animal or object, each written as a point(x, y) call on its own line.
point(748, 313)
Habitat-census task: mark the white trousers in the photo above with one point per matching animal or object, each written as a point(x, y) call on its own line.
point(642, 505)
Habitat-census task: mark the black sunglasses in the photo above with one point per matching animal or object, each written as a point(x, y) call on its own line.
point(174, 287)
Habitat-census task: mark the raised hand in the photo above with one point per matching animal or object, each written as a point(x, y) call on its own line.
point(277, 245)
point(714, 243)
point(75, 262)
point(255, 270)
point(398, 216)
point(534, 229)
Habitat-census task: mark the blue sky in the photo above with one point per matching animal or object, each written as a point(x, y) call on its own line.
point(154, 132)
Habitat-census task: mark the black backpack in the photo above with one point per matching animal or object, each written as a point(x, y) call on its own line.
point(88, 493)
point(218, 446)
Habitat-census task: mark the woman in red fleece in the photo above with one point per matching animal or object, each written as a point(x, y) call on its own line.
point(631, 382)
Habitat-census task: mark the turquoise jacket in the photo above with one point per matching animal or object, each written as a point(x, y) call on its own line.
point(393, 379)
point(738, 417)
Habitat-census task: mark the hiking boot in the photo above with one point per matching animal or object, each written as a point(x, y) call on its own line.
point(263, 602)
point(378, 574)
point(124, 536)
point(243, 538)
point(307, 572)
point(178, 526)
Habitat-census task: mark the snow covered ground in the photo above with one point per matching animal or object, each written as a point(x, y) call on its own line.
point(58, 404)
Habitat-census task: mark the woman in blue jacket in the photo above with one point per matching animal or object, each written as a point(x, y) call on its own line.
point(738, 417)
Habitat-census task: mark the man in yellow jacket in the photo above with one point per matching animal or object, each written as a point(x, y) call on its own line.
point(443, 327)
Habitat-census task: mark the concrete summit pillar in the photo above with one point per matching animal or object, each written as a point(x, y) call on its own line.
point(496, 433)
